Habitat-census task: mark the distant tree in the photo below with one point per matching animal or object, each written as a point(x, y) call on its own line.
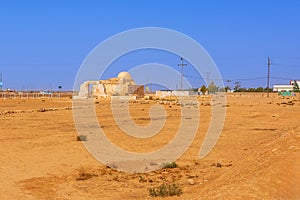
point(241, 90)
point(212, 88)
point(203, 89)
point(251, 90)
point(296, 87)
point(222, 90)
point(268, 89)
point(194, 89)
point(237, 86)
point(227, 88)
point(260, 89)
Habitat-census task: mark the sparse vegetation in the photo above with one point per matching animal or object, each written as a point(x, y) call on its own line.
point(193, 175)
point(169, 165)
point(203, 89)
point(81, 138)
point(165, 190)
point(84, 175)
point(212, 88)
point(259, 89)
point(142, 179)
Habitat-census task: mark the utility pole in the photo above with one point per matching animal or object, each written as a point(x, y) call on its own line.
point(147, 85)
point(268, 81)
point(1, 82)
point(59, 90)
point(181, 65)
point(207, 78)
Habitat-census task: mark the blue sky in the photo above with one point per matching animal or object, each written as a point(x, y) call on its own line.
point(43, 43)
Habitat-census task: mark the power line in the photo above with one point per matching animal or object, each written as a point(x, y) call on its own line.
point(195, 77)
point(286, 65)
point(279, 78)
point(225, 79)
point(241, 79)
point(248, 79)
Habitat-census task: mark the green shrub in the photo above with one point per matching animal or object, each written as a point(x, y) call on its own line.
point(169, 165)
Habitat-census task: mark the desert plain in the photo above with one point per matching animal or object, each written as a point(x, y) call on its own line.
point(256, 157)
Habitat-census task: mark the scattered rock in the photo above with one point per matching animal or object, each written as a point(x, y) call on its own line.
point(41, 110)
point(219, 165)
point(191, 181)
point(150, 180)
point(193, 176)
point(142, 179)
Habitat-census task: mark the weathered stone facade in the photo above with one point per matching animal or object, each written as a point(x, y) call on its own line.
point(123, 85)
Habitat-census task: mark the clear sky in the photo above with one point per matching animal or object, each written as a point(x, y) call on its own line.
point(43, 43)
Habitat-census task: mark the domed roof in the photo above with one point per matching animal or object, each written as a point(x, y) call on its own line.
point(124, 76)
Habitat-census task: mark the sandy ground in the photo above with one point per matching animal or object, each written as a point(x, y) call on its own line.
point(256, 157)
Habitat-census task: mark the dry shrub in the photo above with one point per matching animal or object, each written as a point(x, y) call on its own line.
point(84, 175)
point(165, 190)
point(81, 138)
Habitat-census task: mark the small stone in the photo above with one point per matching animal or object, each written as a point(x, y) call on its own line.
point(150, 180)
point(191, 181)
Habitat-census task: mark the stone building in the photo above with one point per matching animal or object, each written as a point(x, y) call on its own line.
point(122, 85)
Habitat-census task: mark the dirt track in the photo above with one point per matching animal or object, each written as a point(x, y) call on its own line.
point(256, 157)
